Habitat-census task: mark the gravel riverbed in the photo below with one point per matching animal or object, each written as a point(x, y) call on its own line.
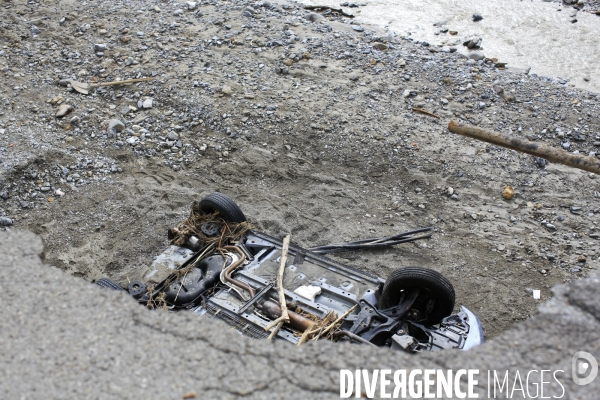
point(306, 120)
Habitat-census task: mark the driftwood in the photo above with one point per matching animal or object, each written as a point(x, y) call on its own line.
point(550, 153)
point(84, 88)
point(420, 110)
point(284, 318)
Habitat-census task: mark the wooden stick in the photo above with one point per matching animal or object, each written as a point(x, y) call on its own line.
point(420, 110)
point(327, 329)
point(113, 83)
point(550, 153)
point(305, 335)
point(284, 313)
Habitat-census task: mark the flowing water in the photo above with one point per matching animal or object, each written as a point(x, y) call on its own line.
point(523, 33)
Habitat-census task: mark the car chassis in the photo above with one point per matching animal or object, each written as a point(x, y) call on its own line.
point(235, 282)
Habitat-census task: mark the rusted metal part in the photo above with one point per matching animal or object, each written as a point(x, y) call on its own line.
point(550, 153)
point(229, 270)
point(353, 337)
point(297, 321)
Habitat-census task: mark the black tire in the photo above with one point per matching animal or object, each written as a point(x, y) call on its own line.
point(228, 209)
point(107, 283)
point(437, 293)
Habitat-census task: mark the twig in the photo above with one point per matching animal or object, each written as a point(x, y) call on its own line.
point(420, 110)
point(306, 334)
point(284, 313)
point(344, 315)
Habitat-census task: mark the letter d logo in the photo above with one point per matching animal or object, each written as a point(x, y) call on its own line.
point(583, 363)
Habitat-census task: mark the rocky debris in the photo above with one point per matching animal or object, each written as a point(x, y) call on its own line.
point(114, 126)
point(5, 221)
point(473, 43)
point(476, 55)
point(476, 17)
point(63, 110)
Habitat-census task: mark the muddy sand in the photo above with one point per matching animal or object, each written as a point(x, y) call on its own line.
point(306, 121)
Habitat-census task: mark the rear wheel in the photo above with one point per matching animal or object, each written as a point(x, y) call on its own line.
point(227, 208)
point(436, 294)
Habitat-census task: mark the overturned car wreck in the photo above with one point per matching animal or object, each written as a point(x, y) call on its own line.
point(229, 270)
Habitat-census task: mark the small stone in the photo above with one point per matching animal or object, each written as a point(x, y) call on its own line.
point(125, 39)
point(179, 11)
point(63, 110)
point(156, 9)
point(57, 99)
point(581, 259)
point(508, 193)
point(133, 140)
point(147, 103)
point(312, 17)
point(172, 136)
point(288, 61)
point(358, 28)
point(450, 191)
point(541, 162)
point(191, 5)
point(35, 30)
point(114, 126)
point(380, 46)
point(5, 221)
point(226, 90)
point(476, 55)
point(477, 17)
point(59, 192)
point(99, 47)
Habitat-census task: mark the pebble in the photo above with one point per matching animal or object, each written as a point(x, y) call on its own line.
point(147, 103)
point(476, 55)
point(35, 30)
point(358, 28)
point(125, 39)
point(191, 5)
point(63, 110)
point(508, 193)
point(114, 126)
point(477, 17)
point(99, 47)
point(172, 136)
point(5, 221)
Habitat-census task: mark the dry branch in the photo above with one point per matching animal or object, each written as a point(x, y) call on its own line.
point(284, 313)
point(334, 323)
point(550, 153)
point(420, 110)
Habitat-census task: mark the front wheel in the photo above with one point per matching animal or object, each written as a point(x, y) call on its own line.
point(436, 293)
